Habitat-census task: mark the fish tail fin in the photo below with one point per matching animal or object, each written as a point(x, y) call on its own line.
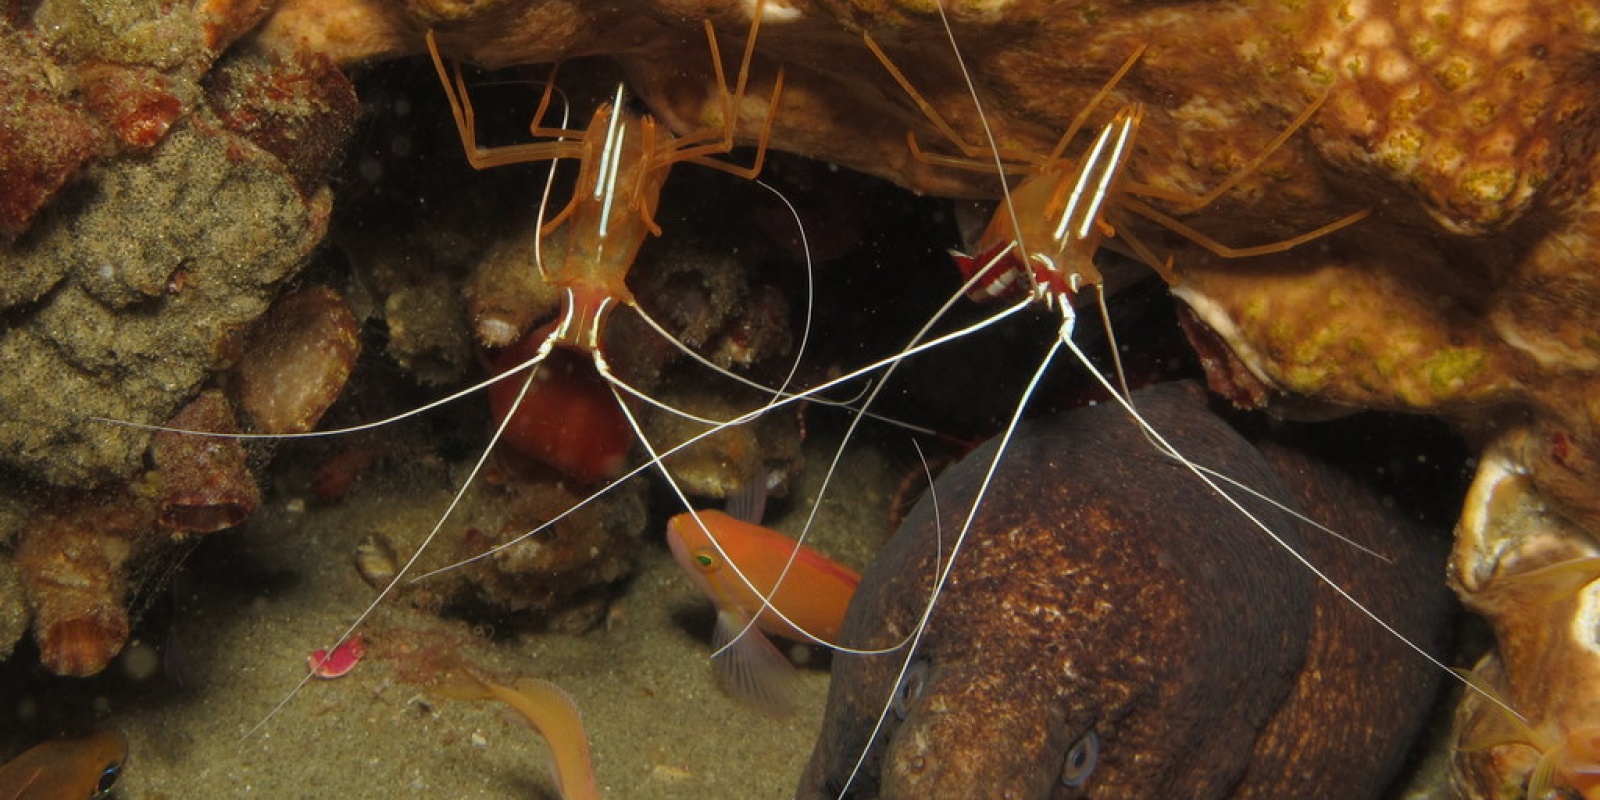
point(751, 669)
point(1543, 778)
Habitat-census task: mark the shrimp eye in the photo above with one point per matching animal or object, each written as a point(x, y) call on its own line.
point(1081, 760)
point(910, 688)
point(108, 779)
point(705, 560)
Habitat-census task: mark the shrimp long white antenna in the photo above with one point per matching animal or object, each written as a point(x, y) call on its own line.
point(780, 391)
point(915, 345)
point(766, 597)
point(1169, 450)
point(549, 186)
point(988, 130)
point(943, 580)
point(805, 328)
point(459, 394)
point(1126, 394)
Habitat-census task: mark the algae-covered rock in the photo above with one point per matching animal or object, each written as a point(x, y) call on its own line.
point(168, 257)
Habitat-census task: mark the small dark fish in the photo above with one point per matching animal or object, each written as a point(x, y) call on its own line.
point(74, 768)
point(1113, 629)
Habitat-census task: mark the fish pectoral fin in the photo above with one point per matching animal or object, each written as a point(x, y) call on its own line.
point(751, 669)
point(1556, 582)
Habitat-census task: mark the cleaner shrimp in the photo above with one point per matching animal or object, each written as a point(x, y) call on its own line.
point(1040, 247)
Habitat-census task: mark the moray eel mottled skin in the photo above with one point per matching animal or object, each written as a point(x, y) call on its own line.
point(1113, 630)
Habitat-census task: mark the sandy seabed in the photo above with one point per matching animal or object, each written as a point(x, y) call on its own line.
point(658, 725)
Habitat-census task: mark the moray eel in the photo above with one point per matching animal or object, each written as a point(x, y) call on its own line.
point(1113, 629)
point(74, 768)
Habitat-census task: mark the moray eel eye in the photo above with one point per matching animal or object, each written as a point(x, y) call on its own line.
point(1081, 760)
point(910, 688)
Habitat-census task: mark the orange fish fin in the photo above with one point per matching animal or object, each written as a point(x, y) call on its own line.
point(1559, 581)
point(1543, 777)
point(752, 669)
point(1501, 728)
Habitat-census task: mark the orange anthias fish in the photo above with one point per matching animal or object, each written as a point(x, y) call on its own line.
point(813, 596)
point(75, 768)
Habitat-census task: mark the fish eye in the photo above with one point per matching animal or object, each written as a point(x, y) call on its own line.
point(108, 779)
point(1081, 760)
point(910, 688)
point(704, 559)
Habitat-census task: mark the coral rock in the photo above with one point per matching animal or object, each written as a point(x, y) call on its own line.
point(558, 578)
point(201, 484)
point(134, 101)
point(72, 560)
point(47, 138)
point(130, 286)
point(297, 360)
point(206, 206)
point(300, 109)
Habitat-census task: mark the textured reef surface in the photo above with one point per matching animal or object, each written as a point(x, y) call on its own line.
point(181, 246)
